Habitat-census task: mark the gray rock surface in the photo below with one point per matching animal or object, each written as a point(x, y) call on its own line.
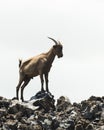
point(41, 113)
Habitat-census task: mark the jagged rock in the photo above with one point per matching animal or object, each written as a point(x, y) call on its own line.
point(55, 124)
point(90, 127)
point(93, 98)
point(14, 109)
point(19, 116)
point(11, 124)
point(4, 103)
point(44, 100)
point(87, 115)
point(25, 127)
point(79, 127)
point(91, 109)
point(20, 108)
point(37, 127)
point(62, 104)
point(3, 113)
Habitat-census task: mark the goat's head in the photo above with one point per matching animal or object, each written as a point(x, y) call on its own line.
point(57, 48)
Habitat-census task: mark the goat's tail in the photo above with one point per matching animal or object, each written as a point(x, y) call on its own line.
point(20, 62)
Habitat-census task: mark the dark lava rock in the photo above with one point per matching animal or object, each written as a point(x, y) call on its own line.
point(55, 124)
point(87, 115)
point(44, 100)
point(62, 104)
point(4, 103)
point(90, 127)
point(14, 109)
point(93, 98)
point(20, 108)
point(11, 124)
point(79, 127)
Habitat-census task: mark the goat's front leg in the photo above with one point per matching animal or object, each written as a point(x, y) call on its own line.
point(42, 81)
point(46, 80)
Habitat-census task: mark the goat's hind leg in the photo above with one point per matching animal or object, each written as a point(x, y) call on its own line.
point(19, 85)
point(17, 89)
point(23, 86)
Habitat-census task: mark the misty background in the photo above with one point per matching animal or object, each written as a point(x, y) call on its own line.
point(77, 24)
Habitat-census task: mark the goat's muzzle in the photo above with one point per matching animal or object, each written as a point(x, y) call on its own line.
point(59, 56)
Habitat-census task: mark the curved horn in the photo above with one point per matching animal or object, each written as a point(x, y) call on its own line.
point(53, 40)
point(59, 42)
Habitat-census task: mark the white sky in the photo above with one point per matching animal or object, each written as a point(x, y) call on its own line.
point(78, 24)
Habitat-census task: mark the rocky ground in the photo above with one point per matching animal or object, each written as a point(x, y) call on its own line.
point(41, 113)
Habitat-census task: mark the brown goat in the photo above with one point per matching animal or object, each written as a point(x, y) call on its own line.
point(37, 65)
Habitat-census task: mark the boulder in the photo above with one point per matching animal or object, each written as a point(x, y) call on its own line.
point(44, 101)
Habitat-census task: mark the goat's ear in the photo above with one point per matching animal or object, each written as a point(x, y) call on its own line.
point(54, 46)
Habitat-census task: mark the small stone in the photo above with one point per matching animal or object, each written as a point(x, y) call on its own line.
point(3, 112)
point(102, 127)
point(37, 127)
point(23, 127)
point(11, 124)
point(90, 127)
point(55, 124)
point(79, 127)
point(19, 116)
point(62, 104)
point(47, 121)
point(4, 103)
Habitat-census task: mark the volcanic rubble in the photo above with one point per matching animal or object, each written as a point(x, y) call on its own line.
point(42, 113)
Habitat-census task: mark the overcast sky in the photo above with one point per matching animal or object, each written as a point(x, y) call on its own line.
point(78, 24)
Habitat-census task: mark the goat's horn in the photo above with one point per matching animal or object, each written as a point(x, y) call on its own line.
point(53, 40)
point(59, 42)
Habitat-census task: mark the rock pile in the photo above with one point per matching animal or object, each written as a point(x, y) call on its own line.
point(41, 113)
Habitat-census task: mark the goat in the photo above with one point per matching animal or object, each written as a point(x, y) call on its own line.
point(38, 65)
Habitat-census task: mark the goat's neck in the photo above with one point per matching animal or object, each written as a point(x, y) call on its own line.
point(50, 56)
